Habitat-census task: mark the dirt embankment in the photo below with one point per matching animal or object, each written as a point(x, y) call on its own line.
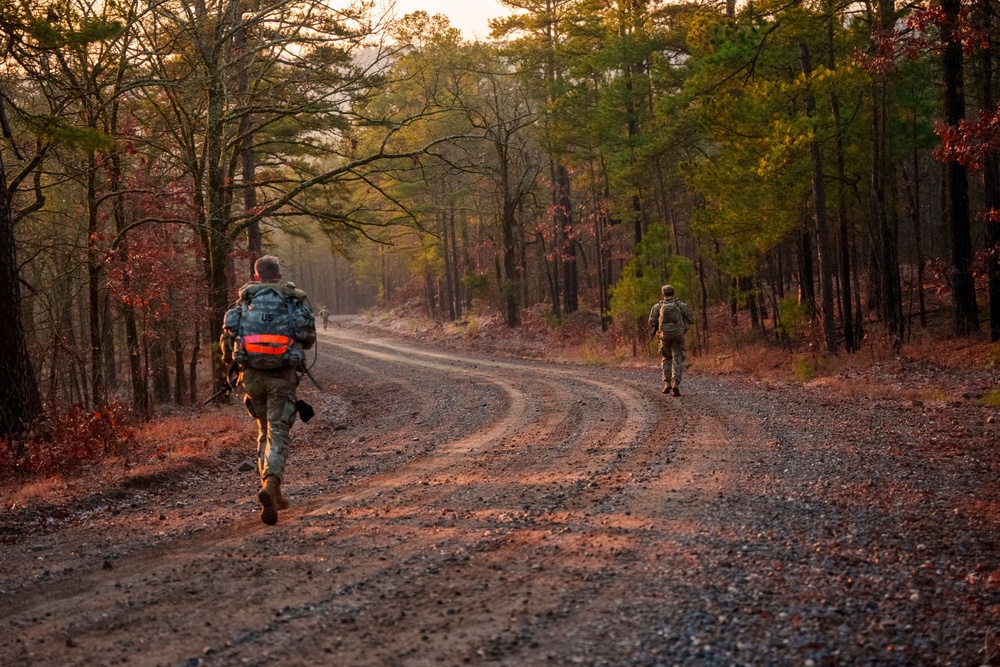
point(459, 509)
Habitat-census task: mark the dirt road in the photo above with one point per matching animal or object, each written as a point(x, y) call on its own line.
point(449, 509)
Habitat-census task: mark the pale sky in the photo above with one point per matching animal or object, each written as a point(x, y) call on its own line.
point(469, 16)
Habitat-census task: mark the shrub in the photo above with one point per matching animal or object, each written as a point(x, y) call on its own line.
point(478, 284)
point(992, 399)
point(807, 368)
point(804, 369)
point(994, 356)
point(472, 330)
point(792, 315)
point(67, 439)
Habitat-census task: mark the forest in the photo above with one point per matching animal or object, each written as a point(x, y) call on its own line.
point(820, 167)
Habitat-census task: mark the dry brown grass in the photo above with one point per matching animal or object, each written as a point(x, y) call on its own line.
point(930, 367)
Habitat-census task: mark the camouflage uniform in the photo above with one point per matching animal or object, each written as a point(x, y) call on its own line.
point(270, 399)
point(671, 348)
point(270, 394)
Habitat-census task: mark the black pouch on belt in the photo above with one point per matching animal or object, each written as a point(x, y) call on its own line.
point(305, 410)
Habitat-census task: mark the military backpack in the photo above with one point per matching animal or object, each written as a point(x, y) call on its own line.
point(265, 326)
point(671, 323)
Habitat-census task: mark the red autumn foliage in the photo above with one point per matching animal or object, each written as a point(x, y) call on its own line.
point(972, 142)
point(69, 438)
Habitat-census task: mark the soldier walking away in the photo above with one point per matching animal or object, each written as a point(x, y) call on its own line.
point(325, 314)
point(670, 318)
point(266, 332)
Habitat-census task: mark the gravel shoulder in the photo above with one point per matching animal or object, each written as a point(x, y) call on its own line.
point(456, 508)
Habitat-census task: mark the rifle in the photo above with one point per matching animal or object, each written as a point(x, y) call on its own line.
point(232, 375)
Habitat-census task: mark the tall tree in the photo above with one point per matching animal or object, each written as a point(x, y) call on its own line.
point(819, 208)
point(963, 284)
point(502, 114)
point(20, 402)
point(536, 42)
point(886, 292)
point(991, 166)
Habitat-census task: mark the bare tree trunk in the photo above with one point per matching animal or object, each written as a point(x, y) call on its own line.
point(94, 262)
point(567, 249)
point(449, 290)
point(843, 227)
point(913, 190)
point(161, 371)
point(20, 402)
point(247, 158)
point(884, 237)
point(963, 285)
point(825, 247)
point(429, 291)
point(600, 216)
point(633, 131)
point(193, 364)
point(807, 290)
point(991, 178)
point(108, 342)
point(140, 394)
point(456, 280)
point(179, 379)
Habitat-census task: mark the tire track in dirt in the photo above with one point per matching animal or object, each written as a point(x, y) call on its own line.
point(551, 431)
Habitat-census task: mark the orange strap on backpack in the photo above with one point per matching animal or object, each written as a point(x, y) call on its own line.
point(266, 344)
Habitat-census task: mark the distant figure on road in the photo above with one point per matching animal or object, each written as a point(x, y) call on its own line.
point(670, 318)
point(325, 314)
point(266, 333)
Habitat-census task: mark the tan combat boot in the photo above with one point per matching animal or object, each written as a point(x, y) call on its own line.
point(280, 501)
point(268, 496)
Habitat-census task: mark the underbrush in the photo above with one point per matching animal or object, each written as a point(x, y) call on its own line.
point(992, 399)
point(78, 449)
point(68, 438)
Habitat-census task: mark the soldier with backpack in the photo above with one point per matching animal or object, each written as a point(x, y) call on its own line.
point(266, 332)
point(671, 318)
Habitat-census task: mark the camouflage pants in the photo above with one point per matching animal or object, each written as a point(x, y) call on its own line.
point(270, 399)
point(672, 364)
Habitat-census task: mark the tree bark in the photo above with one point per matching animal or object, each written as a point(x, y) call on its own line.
point(825, 247)
point(963, 286)
point(140, 392)
point(247, 157)
point(557, 242)
point(886, 295)
point(456, 279)
point(564, 214)
point(807, 290)
point(843, 226)
point(991, 182)
point(20, 402)
point(94, 262)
